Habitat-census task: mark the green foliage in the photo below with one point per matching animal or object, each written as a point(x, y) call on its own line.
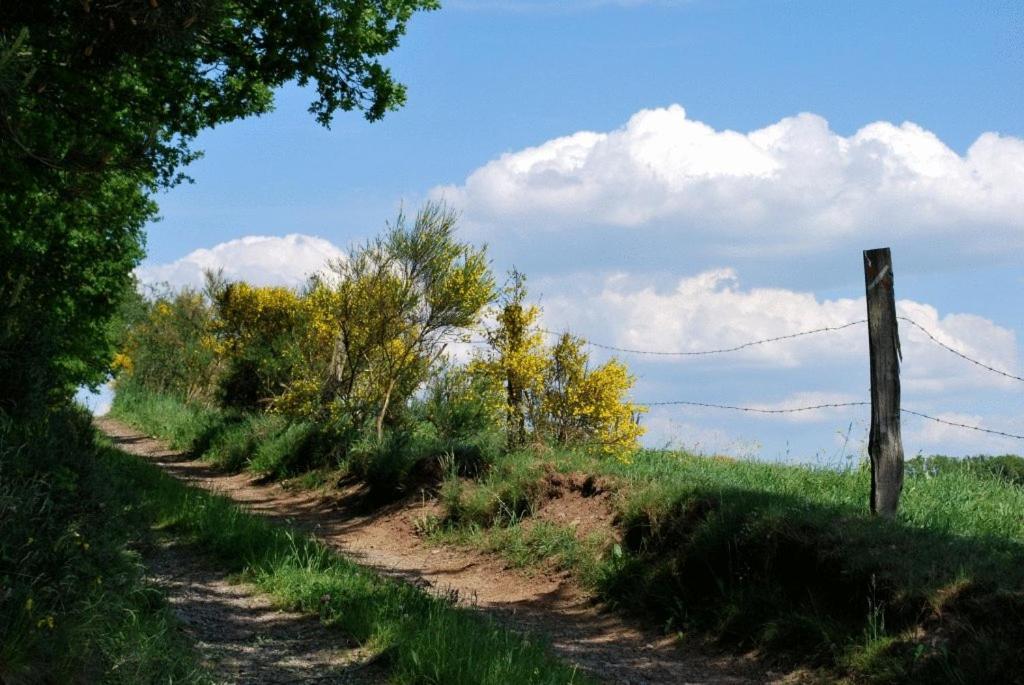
point(426, 639)
point(100, 103)
point(287, 451)
point(399, 300)
point(464, 410)
point(168, 349)
point(187, 426)
point(509, 491)
point(74, 604)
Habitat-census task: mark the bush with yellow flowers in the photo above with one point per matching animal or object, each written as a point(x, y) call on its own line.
point(251, 329)
point(169, 349)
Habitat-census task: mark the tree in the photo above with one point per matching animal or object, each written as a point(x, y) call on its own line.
point(99, 105)
point(169, 348)
point(399, 300)
point(516, 359)
point(589, 406)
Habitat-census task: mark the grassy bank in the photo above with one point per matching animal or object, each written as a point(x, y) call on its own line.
point(424, 639)
point(781, 559)
point(74, 603)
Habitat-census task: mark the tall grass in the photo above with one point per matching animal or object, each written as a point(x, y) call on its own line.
point(783, 559)
point(74, 602)
point(425, 639)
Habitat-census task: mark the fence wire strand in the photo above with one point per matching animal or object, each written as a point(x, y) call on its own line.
point(793, 410)
point(957, 352)
point(698, 353)
point(962, 425)
point(756, 410)
point(833, 405)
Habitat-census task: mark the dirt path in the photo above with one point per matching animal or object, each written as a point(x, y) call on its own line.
point(606, 645)
point(242, 638)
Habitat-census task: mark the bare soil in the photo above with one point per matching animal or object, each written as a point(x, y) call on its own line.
point(580, 502)
point(242, 637)
point(610, 647)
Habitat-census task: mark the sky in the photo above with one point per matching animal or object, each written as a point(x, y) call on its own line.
point(683, 176)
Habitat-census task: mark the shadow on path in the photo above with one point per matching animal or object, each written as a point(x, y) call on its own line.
point(243, 638)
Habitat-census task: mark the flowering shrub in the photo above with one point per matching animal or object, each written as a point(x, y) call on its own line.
point(250, 331)
point(516, 361)
point(590, 406)
point(169, 350)
point(360, 352)
point(552, 391)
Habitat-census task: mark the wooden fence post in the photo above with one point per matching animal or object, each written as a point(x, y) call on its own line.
point(885, 445)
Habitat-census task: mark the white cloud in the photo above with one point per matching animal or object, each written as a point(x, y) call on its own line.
point(712, 310)
point(666, 429)
point(261, 260)
point(941, 438)
point(795, 184)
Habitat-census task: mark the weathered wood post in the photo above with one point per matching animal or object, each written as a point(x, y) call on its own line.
point(885, 445)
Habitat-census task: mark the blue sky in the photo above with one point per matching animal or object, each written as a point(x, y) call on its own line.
point(589, 144)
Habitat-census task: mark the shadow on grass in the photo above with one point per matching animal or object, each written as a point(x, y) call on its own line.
point(826, 585)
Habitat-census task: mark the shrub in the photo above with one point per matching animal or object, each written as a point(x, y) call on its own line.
point(296, 446)
point(169, 350)
point(252, 328)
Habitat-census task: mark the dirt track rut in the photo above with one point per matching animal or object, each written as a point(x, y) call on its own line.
point(608, 646)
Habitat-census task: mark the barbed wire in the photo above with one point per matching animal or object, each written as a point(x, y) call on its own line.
point(793, 410)
point(962, 425)
point(697, 353)
point(831, 405)
point(757, 410)
point(957, 352)
point(763, 341)
point(723, 350)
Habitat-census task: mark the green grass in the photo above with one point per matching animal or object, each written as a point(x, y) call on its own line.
point(74, 602)
point(425, 639)
point(263, 443)
point(540, 544)
point(785, 559)
point(782, 559)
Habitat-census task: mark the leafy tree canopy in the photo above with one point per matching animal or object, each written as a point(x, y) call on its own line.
point(100, 101)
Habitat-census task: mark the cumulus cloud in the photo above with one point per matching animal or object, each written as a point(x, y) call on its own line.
point(712, 310)
point(261, 260)
point(791, 185)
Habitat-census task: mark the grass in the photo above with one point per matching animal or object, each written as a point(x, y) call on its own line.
point(265, 444)
point(74, 602)
point(425, 639)
point(782, 559)
point(785, 559)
